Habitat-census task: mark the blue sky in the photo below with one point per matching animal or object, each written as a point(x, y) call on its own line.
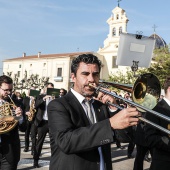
point(59, 26)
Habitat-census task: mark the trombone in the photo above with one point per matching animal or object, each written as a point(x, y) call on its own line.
point(145, 95)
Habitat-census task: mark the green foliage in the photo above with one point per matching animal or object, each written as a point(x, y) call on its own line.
point(120, 77)
point(23, 95)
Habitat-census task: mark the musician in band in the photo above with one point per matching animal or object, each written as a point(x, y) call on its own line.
point(41, 122)
point(142, 150)
point(62, 92)
point(27, 103)
point(9, 141)
point(160, 141)
point(81, 134)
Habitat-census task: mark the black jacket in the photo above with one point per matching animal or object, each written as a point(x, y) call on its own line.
point(158, 140)
point(74, 142)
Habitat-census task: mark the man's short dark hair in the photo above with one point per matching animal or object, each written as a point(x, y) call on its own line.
point(5, 79)
point(85, 58)
point(64, 90)
point(166, 84)
point(51, 84)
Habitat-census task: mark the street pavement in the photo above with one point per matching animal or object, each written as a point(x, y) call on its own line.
point(26, 161)
point(119, 157)
point(120, 160)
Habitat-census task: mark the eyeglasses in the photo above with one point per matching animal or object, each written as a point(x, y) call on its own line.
point(61, 92)
point(7, 90)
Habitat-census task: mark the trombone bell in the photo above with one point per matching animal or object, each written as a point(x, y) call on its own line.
point(146, 90)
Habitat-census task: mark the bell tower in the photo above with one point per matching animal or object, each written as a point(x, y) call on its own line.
point(117, 24)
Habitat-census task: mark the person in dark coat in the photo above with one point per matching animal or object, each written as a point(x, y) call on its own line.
point(158, 140)
point(141, 146)
point(29, 106)
point(9, 140)
point(81, 135)
point(41, 122)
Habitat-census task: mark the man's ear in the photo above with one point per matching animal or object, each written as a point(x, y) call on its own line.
point(73, 77)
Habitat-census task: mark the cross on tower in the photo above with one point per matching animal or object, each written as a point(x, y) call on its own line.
point(154, 28)
point(118, 2)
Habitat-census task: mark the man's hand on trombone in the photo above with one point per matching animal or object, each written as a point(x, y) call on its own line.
point(105, 98)
point(124, 118)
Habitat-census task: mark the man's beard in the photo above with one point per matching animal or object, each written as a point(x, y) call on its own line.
point(4, 97)
point(89, 95)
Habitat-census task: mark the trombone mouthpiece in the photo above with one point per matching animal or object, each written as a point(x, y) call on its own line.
point(92, 85)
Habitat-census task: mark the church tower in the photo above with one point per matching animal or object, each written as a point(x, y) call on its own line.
point(117, 24)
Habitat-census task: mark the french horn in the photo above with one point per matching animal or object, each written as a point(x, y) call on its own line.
point(7, 119)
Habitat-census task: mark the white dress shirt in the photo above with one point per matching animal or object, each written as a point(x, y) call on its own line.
point(81, 98)
point(45, 116)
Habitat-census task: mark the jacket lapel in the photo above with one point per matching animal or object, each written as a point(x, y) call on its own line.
point(166, 107)
point(99, 112)
point(81, 116)
point(78, 109)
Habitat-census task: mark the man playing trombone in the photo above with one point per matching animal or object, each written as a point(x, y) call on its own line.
point(81, 131)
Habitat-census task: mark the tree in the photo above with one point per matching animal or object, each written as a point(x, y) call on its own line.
point(27, 82)
point(160, 64)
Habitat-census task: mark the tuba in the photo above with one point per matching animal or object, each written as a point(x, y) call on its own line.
point(7, 117)
point(32, 110)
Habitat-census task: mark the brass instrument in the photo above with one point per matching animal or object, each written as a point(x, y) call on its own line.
point(145, 95)
point(32, 110)
point(7, 119)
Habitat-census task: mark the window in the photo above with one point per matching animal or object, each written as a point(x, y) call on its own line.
point(44, 64)
point(114, 62)
point(18, 74)
point(114, 32)
point(117, 16)
point(30, 65)
point(120, 30)
point(20, 66)
point(59, 72)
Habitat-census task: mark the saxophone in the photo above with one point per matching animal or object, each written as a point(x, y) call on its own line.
point(32, 110)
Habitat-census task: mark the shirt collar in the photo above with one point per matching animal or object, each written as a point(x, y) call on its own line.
point(79, 97)
point(168, 102)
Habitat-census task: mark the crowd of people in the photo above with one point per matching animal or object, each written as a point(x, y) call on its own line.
point(81, 125)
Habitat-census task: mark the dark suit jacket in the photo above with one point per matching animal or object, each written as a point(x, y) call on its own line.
point(158, 140)
point(74, 142)
point(26, 105)
point(40, 106)
point(139, 135)
point(10, 141)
